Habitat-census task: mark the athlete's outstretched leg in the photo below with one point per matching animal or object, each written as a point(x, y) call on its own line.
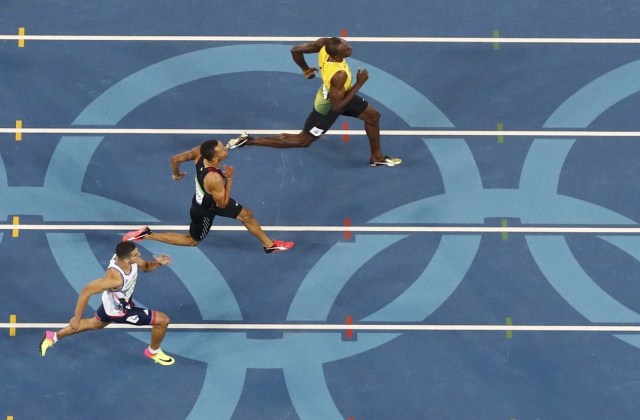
point(280, 141)
point(172, 238)
point(86, 324)
point(50, 338)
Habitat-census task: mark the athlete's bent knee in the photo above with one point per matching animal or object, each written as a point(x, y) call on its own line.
point(245, 215)
point(302, 139)
point(162, 319)
point(190, 241)
point(95, 324)
point(371, 116)
point(307, 140)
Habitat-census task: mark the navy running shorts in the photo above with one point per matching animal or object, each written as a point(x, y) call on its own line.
point(133, 316)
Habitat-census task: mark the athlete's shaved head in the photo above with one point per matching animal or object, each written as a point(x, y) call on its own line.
point(333, 46)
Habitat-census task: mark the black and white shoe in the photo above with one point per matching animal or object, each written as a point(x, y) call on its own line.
point(386, 161)
point(238, 141)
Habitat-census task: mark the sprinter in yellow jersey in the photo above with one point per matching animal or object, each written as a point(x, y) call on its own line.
point(337, 96)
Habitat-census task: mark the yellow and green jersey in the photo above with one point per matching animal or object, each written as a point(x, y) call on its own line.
point(327, 70)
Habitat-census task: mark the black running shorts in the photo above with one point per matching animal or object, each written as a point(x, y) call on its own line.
point(317, 124)
point(202, 219)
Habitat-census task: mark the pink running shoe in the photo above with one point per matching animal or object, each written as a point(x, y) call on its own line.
point(137, 235)
point(278, 246)
point(47, 341)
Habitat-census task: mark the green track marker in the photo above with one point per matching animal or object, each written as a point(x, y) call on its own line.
point(500, 127)
point(509, 332)
point(496, 44)
point(505, 235)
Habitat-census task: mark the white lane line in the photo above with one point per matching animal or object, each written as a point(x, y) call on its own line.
point(216, 38)
point(372, 229)
point(359, 327)
point(228, 131)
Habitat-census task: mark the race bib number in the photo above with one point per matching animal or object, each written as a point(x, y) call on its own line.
point(325, 92)
point(315, 131)
point(199, 192)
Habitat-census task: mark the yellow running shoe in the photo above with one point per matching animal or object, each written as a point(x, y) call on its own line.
point(160, 357)
point(46, 342)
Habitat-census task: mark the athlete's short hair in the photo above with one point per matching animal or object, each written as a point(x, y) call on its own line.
point(208, 149)
point(332, 45)
point(124, 249)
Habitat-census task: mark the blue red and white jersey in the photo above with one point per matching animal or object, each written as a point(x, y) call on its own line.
point(114, 301)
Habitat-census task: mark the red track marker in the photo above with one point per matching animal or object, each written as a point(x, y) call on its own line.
point(345, 137)
point(349, 321)
point(343, 33)
point(347, 233)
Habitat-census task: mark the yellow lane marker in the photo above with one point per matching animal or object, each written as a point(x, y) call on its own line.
point(18, 130)
point(16, 231)
point(500, 127)
point(12, 320)
point(509, 321)
point(505, 235)
point(496, 44)
point(21, 40)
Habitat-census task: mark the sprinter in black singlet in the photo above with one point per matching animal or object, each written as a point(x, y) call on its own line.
point(212, 198)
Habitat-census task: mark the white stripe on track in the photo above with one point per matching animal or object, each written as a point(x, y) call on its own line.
point(359, 327)
point(371, 229)
point(235, 132)
point(214, 38)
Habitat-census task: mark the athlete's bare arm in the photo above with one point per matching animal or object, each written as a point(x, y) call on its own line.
point(338, 96)
point(147, 266)
point(298, 52)
point(214, 184)
point(193, 154)
point(111, 280)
